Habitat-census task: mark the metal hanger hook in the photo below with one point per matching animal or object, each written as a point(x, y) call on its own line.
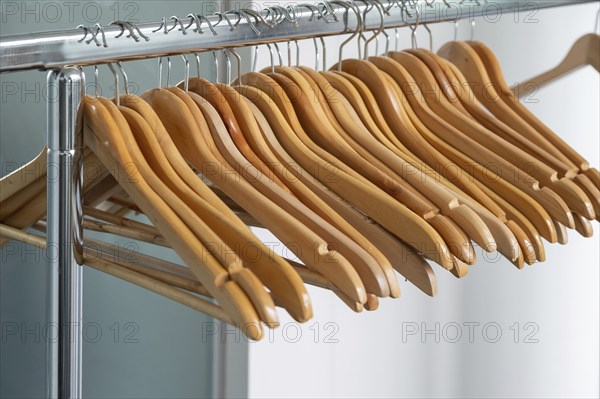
point(348, 6)
point(227, 67)
point(186, 82)
point(381, 25)
point(197, 55)
point(131, 27)
point(278, 53)
point(160, 67)
point(214, 53)
point(96, 87)
point(125, 79)
point(116, 76)
point(239, 64)
point(272, 57)
point(430, 37)
point(176, 21)
point(412, 26)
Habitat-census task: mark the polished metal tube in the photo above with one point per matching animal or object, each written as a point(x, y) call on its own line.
point(55, 49)
point(65, 205)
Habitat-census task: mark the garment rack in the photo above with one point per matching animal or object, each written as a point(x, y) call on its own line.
point(63, 52)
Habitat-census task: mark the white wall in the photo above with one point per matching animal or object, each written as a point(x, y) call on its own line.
point(560, 296)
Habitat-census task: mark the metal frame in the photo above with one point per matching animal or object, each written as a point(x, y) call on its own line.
point(65, 233)
point(56, 49)
point(59, 49)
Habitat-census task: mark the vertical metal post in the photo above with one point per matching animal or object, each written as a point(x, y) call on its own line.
point(65, 172)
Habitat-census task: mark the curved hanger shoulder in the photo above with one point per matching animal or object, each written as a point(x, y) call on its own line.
point(365, 264)
point(103, 136)
point(455, 217)
point(308, 246)
point(412, 266)
point(390, 214)
point(293, 178)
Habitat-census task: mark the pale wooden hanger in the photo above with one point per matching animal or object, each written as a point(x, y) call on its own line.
point(104, 137)
point(357, 191)
point(585, 51)
point(402, 257)
point(366, 266)
point(586, 177)
point(469, 62)
point(555, 203)
point(272, 270)
point(502, 150)
point(253, 135)
point(191, 134)
point(462, 215)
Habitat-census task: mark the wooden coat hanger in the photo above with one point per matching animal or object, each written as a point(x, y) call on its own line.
point(249, 283)
point(252, 131)
point(559, 209)
point(461, 96)
point(528, 206)
point(320, 198)
point(191, 134)
point(403, 259)
point(299, 102)
point(316, 161)
point(462, 215)
point(277, 275)
point(372, 77)
point(352, 94)
point(585, 51)
point(370, 301)
point(570, 192)
point(104, 137)
point(468, 60)
point(366, 266)
point(562, 186)
point(586, 177)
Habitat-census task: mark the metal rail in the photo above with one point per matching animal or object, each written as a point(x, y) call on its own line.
point(59, 48)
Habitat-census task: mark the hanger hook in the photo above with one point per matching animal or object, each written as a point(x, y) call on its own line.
point(278, 53)
point(214, 53)
point(348, 6)
point(272, 57)
point(168, 71)
point(160, 68)
point(96, 88)
point(223, 16)
point(288, 15)
point(413, 26)
point(239, 65)
point(297, 53)
point(255, 59)
point(430, 37)
point(597, 24)
point(227, 67)
point(159, 72)
point(116, 76)
point(381, 25)
point(131, 27)
point(316, 54)
point(246, 14)
point(186, 82)
point(197, 56)
point(327, 13)
point(125, 79)
point(472, 29)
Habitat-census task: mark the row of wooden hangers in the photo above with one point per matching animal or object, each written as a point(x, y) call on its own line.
point(362, 170)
